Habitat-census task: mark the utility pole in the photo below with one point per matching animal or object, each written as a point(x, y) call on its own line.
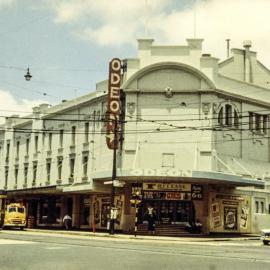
point(113, 210)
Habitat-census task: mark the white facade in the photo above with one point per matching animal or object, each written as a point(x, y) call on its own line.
point(187, 118)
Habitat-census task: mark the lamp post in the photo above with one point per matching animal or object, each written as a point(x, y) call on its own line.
point(28, 76)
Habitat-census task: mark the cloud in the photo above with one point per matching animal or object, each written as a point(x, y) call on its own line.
point(6, 3)
point(10, 106)
point(120, 22)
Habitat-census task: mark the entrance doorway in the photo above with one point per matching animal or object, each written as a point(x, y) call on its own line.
point(169, 212)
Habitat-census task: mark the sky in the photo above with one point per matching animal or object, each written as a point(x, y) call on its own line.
point(67, 44)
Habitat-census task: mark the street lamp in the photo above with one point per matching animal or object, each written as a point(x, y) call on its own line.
point(28, 76)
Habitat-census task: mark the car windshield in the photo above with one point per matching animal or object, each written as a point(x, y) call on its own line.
point(11, 209)
point(20, 209)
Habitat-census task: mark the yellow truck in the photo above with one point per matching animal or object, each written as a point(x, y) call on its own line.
point(15, 216)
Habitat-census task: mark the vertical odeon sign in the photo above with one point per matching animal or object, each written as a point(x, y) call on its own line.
point(114, 103)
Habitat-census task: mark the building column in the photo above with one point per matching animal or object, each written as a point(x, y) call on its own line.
point(76, 211)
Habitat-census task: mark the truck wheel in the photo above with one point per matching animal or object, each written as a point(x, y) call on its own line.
point(265, 242)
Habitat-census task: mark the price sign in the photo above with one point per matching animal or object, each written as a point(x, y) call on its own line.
point(196, 192)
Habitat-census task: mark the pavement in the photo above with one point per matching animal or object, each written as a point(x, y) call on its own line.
point(119, 236)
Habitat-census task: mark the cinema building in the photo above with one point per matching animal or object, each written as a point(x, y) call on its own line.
point(193, 140)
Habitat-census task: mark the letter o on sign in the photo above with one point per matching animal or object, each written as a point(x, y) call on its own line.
point(116, 65)
point(114, 106)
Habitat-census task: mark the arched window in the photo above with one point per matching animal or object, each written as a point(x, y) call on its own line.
point(228, 116)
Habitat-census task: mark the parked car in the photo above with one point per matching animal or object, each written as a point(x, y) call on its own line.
point(265, 236)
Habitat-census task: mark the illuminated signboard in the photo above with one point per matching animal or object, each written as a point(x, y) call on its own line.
point(114, 104)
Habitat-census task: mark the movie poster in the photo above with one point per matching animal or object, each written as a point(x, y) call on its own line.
point(119, 206)
point(105, 214)
point(230, 218)
point(244, 217)
point(216, 218)
point(96, 211)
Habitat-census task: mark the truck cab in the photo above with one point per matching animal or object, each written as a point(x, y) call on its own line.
point(15, 216)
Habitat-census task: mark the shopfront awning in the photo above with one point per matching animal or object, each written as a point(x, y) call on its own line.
point(191, 176)
point(81, 188)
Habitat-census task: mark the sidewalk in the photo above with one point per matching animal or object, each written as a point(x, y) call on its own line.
point(117, 236)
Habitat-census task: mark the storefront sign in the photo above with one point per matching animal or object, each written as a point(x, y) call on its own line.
point(169, 196)
point(196, 192)
point(114, 104)
point(167, 186)
point(162, 172)
point(216, 218)
point(229, 197)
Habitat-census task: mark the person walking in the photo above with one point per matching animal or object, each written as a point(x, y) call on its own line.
point(151, 219)
point(67, 221)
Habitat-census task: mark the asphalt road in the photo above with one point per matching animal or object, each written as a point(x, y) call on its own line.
point(44, 251)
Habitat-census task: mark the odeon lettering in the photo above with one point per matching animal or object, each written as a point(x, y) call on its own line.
point(162, 172)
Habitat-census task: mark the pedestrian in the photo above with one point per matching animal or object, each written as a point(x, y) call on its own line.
point(67, 221)
point(151, 219)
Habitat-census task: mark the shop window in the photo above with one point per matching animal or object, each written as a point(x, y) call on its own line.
point(50, 211)
point(268, 208)
point(250, 118)
point(257, 122)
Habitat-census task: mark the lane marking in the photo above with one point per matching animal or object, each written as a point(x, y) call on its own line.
point(53, 248)
point(14, 242)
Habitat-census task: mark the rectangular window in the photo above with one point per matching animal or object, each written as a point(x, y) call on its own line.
point(228, 115)
point(73, 135)
point(6, 176)
point(61, 138)
point(8, 149)
point(256, 207)
point(16, 171)
point(251, 123)
point(25, 173)
point(34, 172)
point(86, 132)
point(262, 207)
point(257, 122)
point(72, 167)
point(48, 169)
point(265, 124)
point(85, 165)
point(50, 142)
point(36, 144)
point(17, 149)
point(27, 146)
point(59, 167)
